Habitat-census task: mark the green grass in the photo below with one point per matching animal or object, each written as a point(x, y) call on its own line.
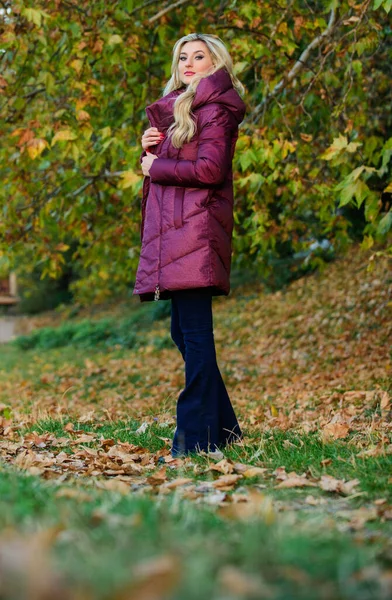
point(104, 537)
point(299, 453)
point(300, 550)
point(101, 333)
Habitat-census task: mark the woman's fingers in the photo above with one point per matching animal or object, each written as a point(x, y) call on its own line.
point(151, 137)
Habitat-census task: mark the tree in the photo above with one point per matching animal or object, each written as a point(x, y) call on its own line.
point(76, 77)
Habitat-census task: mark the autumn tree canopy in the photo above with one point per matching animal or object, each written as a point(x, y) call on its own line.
point(313, 159)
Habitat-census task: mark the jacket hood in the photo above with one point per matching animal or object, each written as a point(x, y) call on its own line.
point(217, 88)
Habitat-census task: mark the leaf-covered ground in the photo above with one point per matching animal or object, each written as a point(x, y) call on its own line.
point(304, 500)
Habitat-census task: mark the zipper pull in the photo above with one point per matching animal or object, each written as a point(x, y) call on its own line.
point(157, 292)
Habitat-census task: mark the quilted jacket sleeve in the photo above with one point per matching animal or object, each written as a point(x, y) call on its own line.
point(215, 135)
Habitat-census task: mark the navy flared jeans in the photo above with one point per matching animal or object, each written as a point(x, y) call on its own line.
point(205, 416)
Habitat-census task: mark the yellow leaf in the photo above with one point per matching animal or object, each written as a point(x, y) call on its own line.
point(82, 115)
point(388, 189)
point(115, 39)
point(77, 64)
point(33, 15)
point(62, 247)
point(64, 135)
point(274, 410)
point(35, 147)
point(106, 132)
point(128, 178)
point(338, 144)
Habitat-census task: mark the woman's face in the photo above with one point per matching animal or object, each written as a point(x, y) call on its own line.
point(194, 58)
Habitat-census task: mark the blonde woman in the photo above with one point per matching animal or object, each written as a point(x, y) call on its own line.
point(187, 223)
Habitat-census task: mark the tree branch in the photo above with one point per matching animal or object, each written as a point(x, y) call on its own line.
point(166, 10)
point(298, 66)
point(141, 6)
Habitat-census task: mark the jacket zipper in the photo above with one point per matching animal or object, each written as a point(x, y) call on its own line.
point(157, 291)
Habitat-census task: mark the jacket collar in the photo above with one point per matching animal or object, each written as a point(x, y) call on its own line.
point(216, 88)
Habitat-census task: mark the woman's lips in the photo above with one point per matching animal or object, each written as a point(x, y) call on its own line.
point(189, 73)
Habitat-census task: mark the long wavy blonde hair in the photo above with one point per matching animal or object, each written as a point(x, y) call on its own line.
point(184, 127)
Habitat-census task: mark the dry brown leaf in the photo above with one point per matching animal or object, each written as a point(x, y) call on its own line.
point(226, 481)
point(114, 485)
point(175, 483)
point(26, 570)
point(294, 480)
point(84, 438)
point(361, 516)
point(158, 477)
point(73, 493)
point(385, 401)
point(280, 473)
point(335, 431)
point(314, 501)
point(223, 466)
point(254, 472)
point(331, 484)
point(235, 582)
point(216, 499)
point(257, 506)
point(155, 579)
point(241, 467)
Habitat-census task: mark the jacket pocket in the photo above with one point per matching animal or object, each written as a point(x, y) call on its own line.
point(178, 207)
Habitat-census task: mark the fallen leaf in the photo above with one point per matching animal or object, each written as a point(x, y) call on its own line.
point(142, 429)
point(73, 493)
point(155, 579)
point(361, 516)
point(331, 484)
point(175, 483)
point(114, 485)
point(223, 466)
point(257, 506)
point(294, 480)
point(385, 402)
point(254, 472)
point(226, 481)
point(215, 499)
point(158, 477)
point(236, 582)
point(335, 431)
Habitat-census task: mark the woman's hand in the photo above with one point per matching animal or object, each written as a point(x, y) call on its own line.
point(151, 137)
point(147, 162)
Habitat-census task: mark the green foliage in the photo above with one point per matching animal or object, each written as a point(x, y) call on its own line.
point(73, 90)
point(109, 332)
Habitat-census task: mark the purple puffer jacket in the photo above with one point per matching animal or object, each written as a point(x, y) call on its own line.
point(187, 206)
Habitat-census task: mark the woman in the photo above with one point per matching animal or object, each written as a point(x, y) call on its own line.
point(187, 223)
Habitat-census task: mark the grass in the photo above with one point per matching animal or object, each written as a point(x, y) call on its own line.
point(294, 363)
point(104, 538)
point(301, 454)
